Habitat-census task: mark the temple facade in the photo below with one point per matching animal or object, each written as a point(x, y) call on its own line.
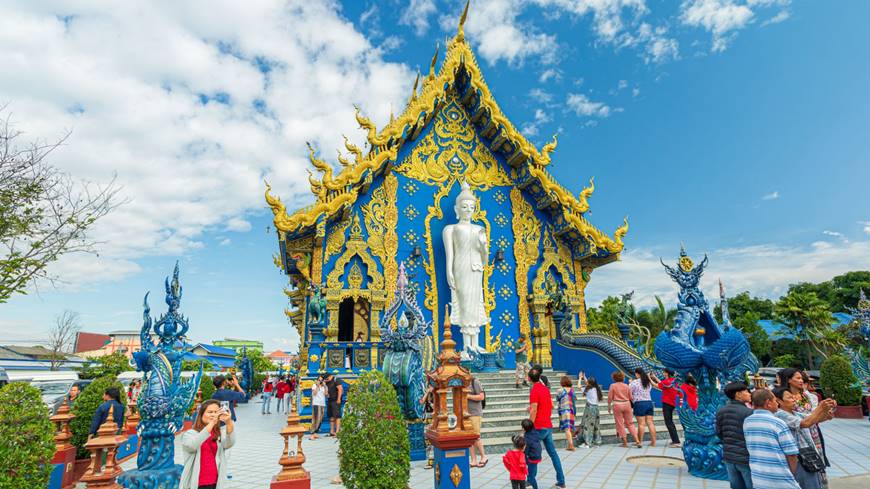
point(387, 205)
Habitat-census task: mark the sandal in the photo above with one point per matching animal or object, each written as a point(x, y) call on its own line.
point(483, 463)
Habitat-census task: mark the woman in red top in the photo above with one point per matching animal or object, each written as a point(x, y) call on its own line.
point(282, 389)
point(690, 392)
point(205, 446)
point(515, 461)
point(670, 390)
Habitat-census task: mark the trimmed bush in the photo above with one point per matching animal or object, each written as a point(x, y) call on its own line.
point(373, 442)
point(26, 438)
point(206, 386)
point(84, 408)
point(839, 381)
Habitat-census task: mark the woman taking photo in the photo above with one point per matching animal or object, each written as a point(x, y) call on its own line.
point(619, 403)
point(793, 380)
point(318, 406)
point(643, 406)
point(205, 445)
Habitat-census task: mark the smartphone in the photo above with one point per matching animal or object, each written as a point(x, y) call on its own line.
point(225, 405)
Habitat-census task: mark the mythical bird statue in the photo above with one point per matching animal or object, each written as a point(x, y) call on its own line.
point(164, 399)
point(713, 354)
point(403, 362)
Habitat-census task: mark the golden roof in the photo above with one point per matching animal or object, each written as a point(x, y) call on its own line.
point(336, 193)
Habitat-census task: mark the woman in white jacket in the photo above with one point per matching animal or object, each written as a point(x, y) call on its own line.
point(205, 445)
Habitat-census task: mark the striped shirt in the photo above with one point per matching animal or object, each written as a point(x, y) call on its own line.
point(769, 440)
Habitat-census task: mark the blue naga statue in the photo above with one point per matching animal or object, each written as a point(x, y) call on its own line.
point(403, 362)
point(247, 368)
point(164, 399)
point(713, 353)
point(860, 364)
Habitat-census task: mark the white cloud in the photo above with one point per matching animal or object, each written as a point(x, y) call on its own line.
point(550, 74)
point(417, 15)
point(226, 242)
point(499, 35)
point(782, 16)
point(541, 96)
point(635, 92)
point(583, 106)
point(771, 196)
point(835, 234)
point(723, 18)
point(764, 270)
point(531, 128)
point(866, 225)
point(622, 85)
point(191, 110)
point(238, 225)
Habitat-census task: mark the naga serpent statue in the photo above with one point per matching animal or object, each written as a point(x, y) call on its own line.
point(860, 365)
point(164, 399)
point(403, 362)
point(713, 353)
point(247, 368)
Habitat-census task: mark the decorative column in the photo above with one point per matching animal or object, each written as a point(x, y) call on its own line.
point(292, 475)
point(452, 470)
point(105, 443)
point(133, 419)
point(541, 332)
point(64, 451)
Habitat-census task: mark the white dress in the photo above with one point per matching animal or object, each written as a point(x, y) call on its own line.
point(467, 308)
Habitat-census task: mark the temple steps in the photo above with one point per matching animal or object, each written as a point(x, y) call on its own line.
point(506, 407)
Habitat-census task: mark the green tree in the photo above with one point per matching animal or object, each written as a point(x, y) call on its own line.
point(259, 361)
point(807, 319)
point(86, 405)
point(113, 364)
point(839, 381)
point(841, 292)
point(602, 319)
point(743, 303)
point(374, 450)
point(26, 437)
point(44, 214)
point(759, 341)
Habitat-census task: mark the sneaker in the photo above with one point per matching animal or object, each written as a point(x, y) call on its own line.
point(584, 446)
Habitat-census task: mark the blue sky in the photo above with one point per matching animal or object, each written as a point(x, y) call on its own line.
point(737, 127)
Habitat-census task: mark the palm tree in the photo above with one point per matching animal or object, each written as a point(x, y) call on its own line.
point(808, 319)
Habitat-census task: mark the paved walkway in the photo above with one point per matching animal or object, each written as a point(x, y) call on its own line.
point(254, 460)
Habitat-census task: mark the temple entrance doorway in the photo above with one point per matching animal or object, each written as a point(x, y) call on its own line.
point(353, 319)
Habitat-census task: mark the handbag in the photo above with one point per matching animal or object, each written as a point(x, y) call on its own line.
point(809, 457)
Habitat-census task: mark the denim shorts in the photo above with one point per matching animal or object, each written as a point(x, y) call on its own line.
point(643, 408)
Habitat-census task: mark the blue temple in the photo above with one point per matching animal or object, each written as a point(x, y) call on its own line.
point(165, 398)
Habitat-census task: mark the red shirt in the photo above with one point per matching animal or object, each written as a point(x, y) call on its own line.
point(541, 395)
point(669, 391)
point(691, 395)
point(208, 472)
point(267, 386)
point(515, 462)
point(282, 389)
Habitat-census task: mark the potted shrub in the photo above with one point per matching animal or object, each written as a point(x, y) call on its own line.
point(373, 442)
point(26, 437)
point(840, 383)
point(84, 408)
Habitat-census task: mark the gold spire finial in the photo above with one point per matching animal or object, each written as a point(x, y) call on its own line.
point(447, 344)
point(548, 148)
point(414, 90)
point(460, 34)
point(432, 63)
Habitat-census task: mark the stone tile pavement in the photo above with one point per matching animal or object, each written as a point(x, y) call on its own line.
point(254, 460)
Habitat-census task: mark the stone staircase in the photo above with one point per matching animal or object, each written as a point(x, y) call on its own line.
point(506, 408)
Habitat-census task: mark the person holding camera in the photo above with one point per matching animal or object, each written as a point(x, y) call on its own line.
point(318, 405)
point(205, 446)
point(228, 389)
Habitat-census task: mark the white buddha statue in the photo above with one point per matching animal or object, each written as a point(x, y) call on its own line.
point(466, 253)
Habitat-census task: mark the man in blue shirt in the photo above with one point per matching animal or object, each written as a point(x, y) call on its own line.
point(228, 390)
point(111, 399)
point(772, 448)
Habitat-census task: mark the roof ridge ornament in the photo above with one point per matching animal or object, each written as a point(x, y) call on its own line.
point(460, 32)
point(547, 149)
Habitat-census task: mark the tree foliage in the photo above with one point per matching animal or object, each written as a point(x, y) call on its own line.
point(602, 319)
point(841, 292)
point(743, 303)
point(759, 341)
point(374, 450)
point(26, 438)
point(86, 405)
point(106, 365)
point(839, 381)
point(808, 320)
point(260, 362)
point(44, 213)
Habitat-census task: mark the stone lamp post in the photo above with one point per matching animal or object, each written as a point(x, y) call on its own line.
point(292, 475)
point(452, 470)
point(64, 451)
point(106, 442)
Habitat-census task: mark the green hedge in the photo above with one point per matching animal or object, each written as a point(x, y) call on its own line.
point(26, 438)
point(206, 386)
point(86, 405)
point(839, 381)
point(374, 450)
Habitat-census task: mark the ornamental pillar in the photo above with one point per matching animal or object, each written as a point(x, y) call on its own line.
point(100, 474)
point(64, 451)
point(292, 475)
point(450, 445)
